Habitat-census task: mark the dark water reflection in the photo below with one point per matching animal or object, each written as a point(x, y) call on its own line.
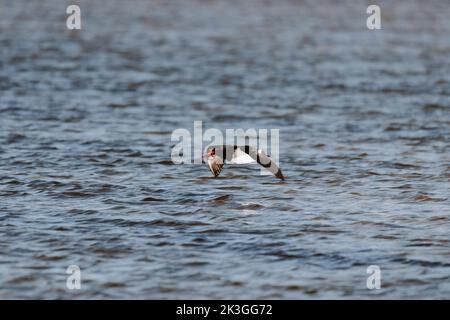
point(85, 171)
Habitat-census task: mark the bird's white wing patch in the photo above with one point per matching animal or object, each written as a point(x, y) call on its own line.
point(240, 157)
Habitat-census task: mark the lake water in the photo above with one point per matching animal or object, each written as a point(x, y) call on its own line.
point(86, 176)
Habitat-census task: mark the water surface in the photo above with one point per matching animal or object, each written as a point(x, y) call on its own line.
point(85, 171)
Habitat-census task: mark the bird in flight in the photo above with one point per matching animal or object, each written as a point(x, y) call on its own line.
point(215, 156)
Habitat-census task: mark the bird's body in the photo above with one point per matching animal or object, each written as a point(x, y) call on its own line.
point(217, 155)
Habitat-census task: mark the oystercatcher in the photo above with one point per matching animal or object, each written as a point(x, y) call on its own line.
point(215, 156)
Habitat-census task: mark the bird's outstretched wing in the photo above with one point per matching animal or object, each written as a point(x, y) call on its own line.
point(263, 159)
point(215, 165)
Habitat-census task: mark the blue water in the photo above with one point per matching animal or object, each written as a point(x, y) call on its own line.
point(86, 177)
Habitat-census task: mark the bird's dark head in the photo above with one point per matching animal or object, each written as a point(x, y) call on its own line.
point(211, 152)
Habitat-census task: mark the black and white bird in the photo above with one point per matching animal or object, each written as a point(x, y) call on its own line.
point(216, 156)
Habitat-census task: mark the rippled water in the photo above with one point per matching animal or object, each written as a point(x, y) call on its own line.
point(85, 171)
